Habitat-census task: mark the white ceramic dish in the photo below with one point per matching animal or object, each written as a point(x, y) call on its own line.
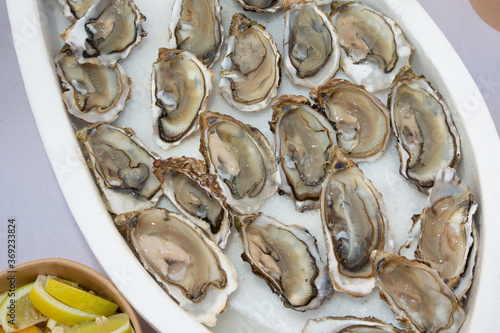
point(36, 25)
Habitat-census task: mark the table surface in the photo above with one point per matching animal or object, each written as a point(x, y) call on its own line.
point(29, 191)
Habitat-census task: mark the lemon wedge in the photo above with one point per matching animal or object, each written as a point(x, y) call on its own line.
point(17, 312)
point(118, 323)
point(80, 299)
point(54, 309)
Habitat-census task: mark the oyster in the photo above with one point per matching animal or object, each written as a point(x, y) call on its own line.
point(241, 157)
point(354, 223)
point(184, 262)
point(311, 49)
point(427, 137)
point(121, 166)
point(373, 47)
point(349, 324)
point(75, 9)
point(360, 118)
point(442, 235)
point(196, 26)
point(304, 142)
point(180, 86)
point(416, 293)
point(287, 257)
point(107, 32)
point(92, 92)
point(196, 194)
point(251, 67)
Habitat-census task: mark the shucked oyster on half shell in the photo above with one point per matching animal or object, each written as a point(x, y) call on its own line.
point(417, 294)
point(196, 194)
point(311, 49)
point(180, 86)
point(427, 137)
point(287, 258)
point(360, 119)
point(354, 224)
point(304, 142)
point(196, 26)
point(75, 9)
point(373, 47)
point(349, 324)
point(241, 157)
point(122, 167)
point(92, 92)
point(185, 263)
point(107, 32)
point(444, 233)
point(250, 73)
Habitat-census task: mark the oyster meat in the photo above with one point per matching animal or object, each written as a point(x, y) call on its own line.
point(107, 32)
point(251, 66)
point(196, 194)
point(360, 119)
point(311, 49)
point(354, 224)
point(373, 47)
point(304, 142)
point(241, 157)
point(427, 137)
point(416, 293)
point(92, 92)
point(185, 263)
point(287, 258)
point(121, 166)
point(180, 86)
point(269, 6)
point(196, 26)
point(349, 324)
point(75, 9)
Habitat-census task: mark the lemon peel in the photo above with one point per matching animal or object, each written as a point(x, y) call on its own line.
point(118, 323)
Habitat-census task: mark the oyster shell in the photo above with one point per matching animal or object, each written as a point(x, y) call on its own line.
point(241, 157)
point(354, 223)
point(196, 194)
point(349, 324)
point(311, 49)
point(92, 92)
point(107, 32)
point(75, 9)
point(184, 262)
point(269, 6)
point(180, 86)
point(121, 165)
point(373, 47)
point(287, 258)
point(427, 137)
point(443, 234)
point(196, 26)
point(360, 118)
point(251, 66)
point(416, 293)
point(304, 142)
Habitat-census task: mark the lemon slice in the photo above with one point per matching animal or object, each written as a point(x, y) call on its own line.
point(118, 323)
point(17, 312)
point(80, 299)
point(55, 309)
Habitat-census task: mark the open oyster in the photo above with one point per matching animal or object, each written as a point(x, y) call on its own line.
point(287, 257)
point(311, 49)
point(107, 32)
point(196, 194)
point(188, 265)
point(354, 223)
point(427, 137)
point(241, 157)
point(416, 293)
point(443, 234)
point(180, 86)
point(360, 118)
point(75, 9)
point(373, 47)
point(349, 324)
point(251, 67)
point(92, 92)
point(196, 26)
point(304, 142)
point(121, 166)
